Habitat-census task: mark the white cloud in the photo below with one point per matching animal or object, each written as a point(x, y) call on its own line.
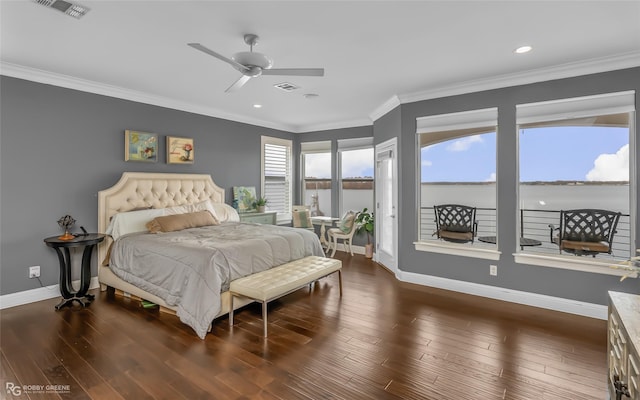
point(465, 143)
point(357, 163)
point(318, 165)
point(426, 163)
point(491, 178)
point(611, 167)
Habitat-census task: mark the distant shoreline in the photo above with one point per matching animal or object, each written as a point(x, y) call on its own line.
point(548, 183)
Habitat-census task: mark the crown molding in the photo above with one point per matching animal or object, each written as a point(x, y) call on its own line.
point(393, 102)
point(568, 70)
point(354, 123)
point(83, 85)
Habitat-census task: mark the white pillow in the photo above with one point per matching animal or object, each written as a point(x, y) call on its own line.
point(191, 208)
point(132, 221)
point(224, 212)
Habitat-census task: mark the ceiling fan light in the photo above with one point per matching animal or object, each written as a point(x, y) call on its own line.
point(249, 58)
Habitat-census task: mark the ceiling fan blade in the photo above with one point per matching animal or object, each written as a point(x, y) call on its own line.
point(210, 52)
point(294, 71)
point(238, 84)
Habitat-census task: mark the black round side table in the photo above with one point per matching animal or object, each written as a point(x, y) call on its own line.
point(88, 241)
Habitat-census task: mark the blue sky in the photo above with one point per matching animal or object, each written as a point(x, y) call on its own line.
point(355, 163)
point(546, 154)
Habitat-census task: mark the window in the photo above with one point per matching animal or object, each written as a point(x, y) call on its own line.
point(316, 176)
point(574, 154)
point(457, 165)
point(356, 174)
point(276, 176)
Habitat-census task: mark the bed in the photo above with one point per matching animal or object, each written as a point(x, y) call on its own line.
point(246, 248)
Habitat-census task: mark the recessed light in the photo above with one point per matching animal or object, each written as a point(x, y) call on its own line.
point(523, 49)
point(257, 106)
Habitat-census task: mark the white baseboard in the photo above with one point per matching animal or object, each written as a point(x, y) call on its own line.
point(513, 296)
point(39, 294)
point(492, 292)
point(356, 249)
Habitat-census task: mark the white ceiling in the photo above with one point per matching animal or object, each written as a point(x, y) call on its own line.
point(376, 54)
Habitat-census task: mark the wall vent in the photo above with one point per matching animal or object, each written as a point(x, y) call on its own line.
point(71, 9)
point(286, 86)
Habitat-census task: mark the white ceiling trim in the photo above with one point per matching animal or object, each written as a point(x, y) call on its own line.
point(628, 60)
point(69, 82)
point(334, 125)
point(385, 107)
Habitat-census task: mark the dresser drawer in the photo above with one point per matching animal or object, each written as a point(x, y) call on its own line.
point(268, 218)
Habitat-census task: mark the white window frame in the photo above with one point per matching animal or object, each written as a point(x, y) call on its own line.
point(449, 122)
point(581, 107)
point(283, 217)
point(323, 146)
point(347, 145)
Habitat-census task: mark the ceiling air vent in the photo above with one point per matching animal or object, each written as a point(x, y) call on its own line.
point(71, 9)
point(286, 86)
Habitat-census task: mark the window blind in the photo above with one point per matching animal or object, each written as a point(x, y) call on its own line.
point(276, 179)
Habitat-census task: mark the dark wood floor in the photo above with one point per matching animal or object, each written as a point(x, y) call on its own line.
point(382, 340)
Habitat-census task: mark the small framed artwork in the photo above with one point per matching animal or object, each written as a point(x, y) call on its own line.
point(180, 150)
point(140, 146)
point(244, 197)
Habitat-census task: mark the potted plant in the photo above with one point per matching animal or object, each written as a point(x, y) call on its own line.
point(365, 223)
point(260, 203)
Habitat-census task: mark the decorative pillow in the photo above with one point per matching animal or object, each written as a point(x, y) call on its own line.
point(178, 222)
point(302, 219)
point(346, 222)
point(131, 221)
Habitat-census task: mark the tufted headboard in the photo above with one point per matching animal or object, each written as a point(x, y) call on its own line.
point(137, 190)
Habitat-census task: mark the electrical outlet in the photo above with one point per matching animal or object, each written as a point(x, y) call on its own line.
point(493, 270)
point(34, 272)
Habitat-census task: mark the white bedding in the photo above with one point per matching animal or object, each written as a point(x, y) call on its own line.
point(189, 269)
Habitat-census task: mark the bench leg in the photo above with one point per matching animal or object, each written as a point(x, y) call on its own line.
point(231, 312)
point(340, 279)
point(264, 317)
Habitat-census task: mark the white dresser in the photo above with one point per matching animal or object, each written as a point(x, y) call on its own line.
point(623, 344)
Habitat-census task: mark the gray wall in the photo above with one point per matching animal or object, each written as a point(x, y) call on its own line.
point(563, 283)
point(59, 147)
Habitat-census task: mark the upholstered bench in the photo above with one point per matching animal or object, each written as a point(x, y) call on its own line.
point(276, 282)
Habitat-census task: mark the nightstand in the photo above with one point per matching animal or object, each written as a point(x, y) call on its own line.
point(268, 218)
point(88, 242)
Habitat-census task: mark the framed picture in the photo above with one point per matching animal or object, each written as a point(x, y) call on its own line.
point(180, 150)
point(244, 197)
point(140, 146)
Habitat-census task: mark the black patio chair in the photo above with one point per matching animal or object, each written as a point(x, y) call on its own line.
point(585, 231)
point(455, 223)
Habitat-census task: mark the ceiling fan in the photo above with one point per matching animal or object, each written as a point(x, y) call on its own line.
point(252, 65)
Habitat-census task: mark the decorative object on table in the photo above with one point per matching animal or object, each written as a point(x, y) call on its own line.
point(65, 223)
point(301, 217)
point(632, 265)
point(365, 222)
point(140, 146)
point(180, 150)
point(260, 204)
point(246, 197)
